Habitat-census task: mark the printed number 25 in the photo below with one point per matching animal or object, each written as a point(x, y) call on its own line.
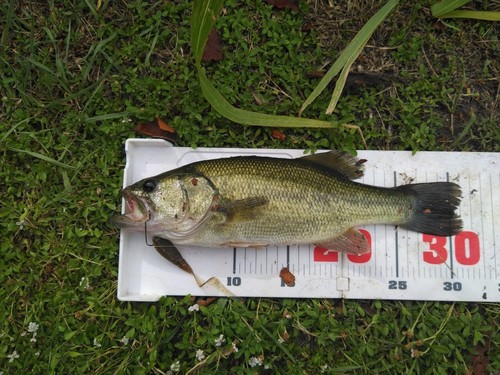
point(394, 284)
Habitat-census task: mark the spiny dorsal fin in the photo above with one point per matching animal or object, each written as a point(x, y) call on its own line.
point(346, 164)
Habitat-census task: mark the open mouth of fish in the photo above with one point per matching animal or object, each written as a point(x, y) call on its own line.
point(135, 212)
point(134, 208)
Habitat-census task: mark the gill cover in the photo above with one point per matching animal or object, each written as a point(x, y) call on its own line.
point(180, 204)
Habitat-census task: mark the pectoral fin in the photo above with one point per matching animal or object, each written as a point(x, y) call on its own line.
point(352, 241)
point(242, 209)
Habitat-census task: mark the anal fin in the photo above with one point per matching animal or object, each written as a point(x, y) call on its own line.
point(351, 241)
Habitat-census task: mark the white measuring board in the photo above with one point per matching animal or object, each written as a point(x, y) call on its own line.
point(402, 264)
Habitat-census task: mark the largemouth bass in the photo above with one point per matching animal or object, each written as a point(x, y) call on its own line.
point(251, 201)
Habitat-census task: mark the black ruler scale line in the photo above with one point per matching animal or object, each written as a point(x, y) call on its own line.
point(396, 238)
point(234, 260)
point(266, 260)
point(482, 219)
point(288, 256)
point(452, 272)
point(493, 225)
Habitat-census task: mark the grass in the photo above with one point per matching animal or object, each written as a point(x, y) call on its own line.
point(75, 78)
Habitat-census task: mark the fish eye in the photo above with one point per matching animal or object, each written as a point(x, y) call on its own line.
point(149, 185)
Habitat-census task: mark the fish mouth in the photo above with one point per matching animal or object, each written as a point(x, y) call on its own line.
point(135, 212)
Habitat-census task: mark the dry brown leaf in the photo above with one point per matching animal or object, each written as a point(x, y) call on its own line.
point(280, 4)
point(157, 129)
point(213, 48)
point(278, 134)
point(287, 277)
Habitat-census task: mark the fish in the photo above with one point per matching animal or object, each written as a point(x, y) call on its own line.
point(255, 201)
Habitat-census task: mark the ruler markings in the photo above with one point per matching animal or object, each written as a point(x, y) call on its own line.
point(396, 253)
point(374, 252)
point(493, 244)
point(450, 242)
point(396, 239)
point(493, 223)
point(482, 214)
point(245, 261)
point(470, 196)
point(309, 259)
point(298, 259)
point(234, 260)
point(483, 244)
point(419, 264)
point(267, 261)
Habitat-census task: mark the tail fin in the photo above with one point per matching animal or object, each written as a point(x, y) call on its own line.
point(434, 208)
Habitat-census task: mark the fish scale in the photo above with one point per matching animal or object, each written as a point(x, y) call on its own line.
point(305, 202)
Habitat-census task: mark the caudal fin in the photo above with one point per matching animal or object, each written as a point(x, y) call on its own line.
point(434, 208)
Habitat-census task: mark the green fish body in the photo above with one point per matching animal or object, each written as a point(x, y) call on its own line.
point(252, 201)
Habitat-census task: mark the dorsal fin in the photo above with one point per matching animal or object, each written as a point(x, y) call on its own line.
point(344, 163)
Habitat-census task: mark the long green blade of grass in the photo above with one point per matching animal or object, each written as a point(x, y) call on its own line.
point(473, 14)
point(42, 157)
point(447, 9)
point(347, 57)
point(446, 6)
point(241, 116)
point(202, 21)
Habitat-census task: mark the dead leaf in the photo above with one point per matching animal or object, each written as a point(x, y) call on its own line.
point(277, 134)
point(280, 4)
point(316, 74)
point(157, 129)
point(480, 359)
point(205, 301)
point(213, 48)
point(258, 99)
point(287, 277)
point(307, 26)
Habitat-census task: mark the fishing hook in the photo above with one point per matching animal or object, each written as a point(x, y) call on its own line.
point(146, 230)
